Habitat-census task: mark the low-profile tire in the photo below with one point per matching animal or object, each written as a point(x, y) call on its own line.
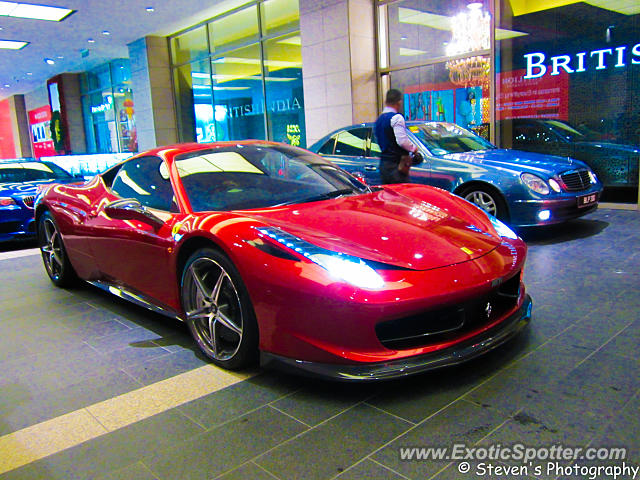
point(488, 199)
point(218, 310)
point(54, 255)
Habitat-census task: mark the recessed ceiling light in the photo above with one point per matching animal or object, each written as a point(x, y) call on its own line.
point(29, 73)
point(150, 9)
point(6, 85)
point(60, 57)
point(12, 44)
point(49, 61)
point(106, 32)
point(37, 12)
point(91, 40)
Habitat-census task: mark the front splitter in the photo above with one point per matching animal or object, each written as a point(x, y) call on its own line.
point(459, 353)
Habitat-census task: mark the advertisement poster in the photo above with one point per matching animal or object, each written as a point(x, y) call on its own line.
point(40, 124)
point(543, 97)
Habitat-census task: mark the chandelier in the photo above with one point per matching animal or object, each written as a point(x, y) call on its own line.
point(470, 33)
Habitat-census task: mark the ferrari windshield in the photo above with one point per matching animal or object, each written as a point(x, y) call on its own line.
point(257, 176)
point(442, 138)
point(11, 172)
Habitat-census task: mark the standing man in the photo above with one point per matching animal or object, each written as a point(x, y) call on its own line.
point(391, 133)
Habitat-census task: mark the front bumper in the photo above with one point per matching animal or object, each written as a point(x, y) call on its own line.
point(17, 226)
point(456, 354)
point(525, 213)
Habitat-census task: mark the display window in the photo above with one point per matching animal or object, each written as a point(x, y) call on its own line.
point(108, 108)
point(250, 84)
point(557, 78)
point(568, 85)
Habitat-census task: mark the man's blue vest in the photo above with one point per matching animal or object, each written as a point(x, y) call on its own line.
point(387, 138)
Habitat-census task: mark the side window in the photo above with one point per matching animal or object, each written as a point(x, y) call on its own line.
point(531, 134)
point(374, 147)
point(142, 179)
point(352, 142)
point(327, 148)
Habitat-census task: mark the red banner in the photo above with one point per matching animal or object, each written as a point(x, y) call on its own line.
point(40, 123)
point(543, 97)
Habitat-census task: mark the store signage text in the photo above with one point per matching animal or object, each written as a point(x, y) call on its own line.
point(104, 106)
point(618, 57)
point(258, 108)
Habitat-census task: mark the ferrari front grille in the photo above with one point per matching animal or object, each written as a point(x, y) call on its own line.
point(29, 201)
point(447, 323)
point(576, 180)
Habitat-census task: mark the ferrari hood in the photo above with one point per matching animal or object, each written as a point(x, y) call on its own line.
point(386, 227)
point(518, 160)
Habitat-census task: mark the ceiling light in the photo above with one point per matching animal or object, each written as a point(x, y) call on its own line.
point(60, 57)
point(29, 73)
point(474, 6)
point(12, 44)
point(37, 12)
point(6, 85)
point(150, 9)
point(91, 40)
point(106, 32)
point(49, 61)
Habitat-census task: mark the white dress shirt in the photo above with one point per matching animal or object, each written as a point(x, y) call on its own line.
point(400, 130)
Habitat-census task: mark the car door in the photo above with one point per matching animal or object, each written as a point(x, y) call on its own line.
point(348, 149)
point(133, 253)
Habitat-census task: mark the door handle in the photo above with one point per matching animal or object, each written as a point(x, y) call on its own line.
point(370, 168)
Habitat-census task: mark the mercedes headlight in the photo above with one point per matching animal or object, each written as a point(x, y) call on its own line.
point(351, 269)
point(502, 229)
point(535, 183)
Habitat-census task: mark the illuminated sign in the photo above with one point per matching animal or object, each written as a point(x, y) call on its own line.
point(104, 106)
point(580, 62)
point(275, 106)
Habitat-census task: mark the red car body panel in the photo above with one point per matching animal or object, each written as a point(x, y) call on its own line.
point(437, 248)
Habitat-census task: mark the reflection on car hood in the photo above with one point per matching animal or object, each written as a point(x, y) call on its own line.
point(613, 147)
point(517, 160)
point(384, 226)
point(24, 188)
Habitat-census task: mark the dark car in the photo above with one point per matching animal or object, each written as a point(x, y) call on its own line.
point(19, 181)
point(520, 188)
point(616, 165)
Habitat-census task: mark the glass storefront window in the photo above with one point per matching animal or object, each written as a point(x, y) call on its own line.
point(192, 83)
point(570, 88)
point(234, 30)
point(425, 29)
point(283, 70)
point(280, 16)
point(429, 94)
point(251, 85)
point(108, 108)
point(190, 45)
point(238, 105)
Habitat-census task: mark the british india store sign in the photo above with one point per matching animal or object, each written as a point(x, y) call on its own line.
point(40, 123)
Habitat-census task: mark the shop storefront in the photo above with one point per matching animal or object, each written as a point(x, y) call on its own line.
point(559, 78)
point(107, 106)
point(239, 76)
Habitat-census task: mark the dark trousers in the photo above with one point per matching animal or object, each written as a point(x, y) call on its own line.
point(389, 172)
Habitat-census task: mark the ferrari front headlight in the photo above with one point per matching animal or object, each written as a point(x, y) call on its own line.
point(351, 269)
point(502, 229)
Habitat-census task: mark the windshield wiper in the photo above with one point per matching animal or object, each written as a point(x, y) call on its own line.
point(322, 196)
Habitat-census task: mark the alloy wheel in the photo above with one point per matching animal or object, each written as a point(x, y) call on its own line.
point(212, 306)
point(51, 249)
point(483, 200)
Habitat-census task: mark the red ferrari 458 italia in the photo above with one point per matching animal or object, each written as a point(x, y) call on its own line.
point(267, 249)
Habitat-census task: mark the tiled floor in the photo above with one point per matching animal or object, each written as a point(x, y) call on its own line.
point(571, 379)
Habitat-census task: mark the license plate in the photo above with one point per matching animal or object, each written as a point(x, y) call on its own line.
point(586, 200)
